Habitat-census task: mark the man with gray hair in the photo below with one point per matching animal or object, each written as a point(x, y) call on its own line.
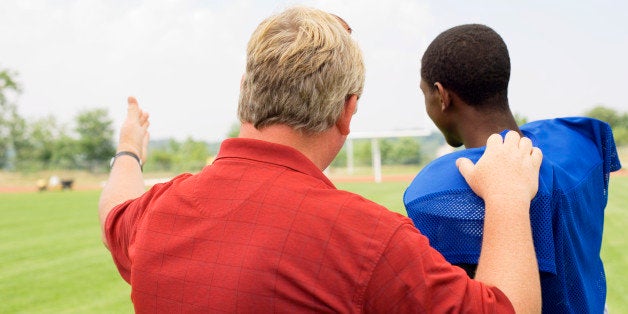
point(262, 229)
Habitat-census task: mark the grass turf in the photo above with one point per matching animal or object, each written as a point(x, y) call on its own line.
point(52, 258)
point(53, 261)
point(615, 245)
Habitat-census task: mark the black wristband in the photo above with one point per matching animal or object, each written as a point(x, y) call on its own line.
point(127, 153)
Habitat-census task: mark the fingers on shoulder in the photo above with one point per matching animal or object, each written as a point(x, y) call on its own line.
point(512, 137)
point(494, 139)
point(537, 156)
point(525, 144)
point(465, 166)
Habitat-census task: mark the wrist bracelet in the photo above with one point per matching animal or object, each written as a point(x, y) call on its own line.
point(127, 153)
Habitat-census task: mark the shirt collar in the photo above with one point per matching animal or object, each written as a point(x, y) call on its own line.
point(272, 153)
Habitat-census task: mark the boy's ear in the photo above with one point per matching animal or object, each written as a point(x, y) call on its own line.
point(445, 96)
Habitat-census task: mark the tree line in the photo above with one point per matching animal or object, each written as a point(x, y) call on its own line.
point(617, 120)
point(46, 144)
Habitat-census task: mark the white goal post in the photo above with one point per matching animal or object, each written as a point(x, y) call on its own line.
point(375, 150)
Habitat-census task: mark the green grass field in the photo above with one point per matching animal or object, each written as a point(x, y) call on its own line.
point(52, 260)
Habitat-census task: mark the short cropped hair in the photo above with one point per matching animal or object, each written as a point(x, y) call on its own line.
point(472, 61)
point(302, 64)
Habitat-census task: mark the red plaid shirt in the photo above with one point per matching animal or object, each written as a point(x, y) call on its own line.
point(263, 230)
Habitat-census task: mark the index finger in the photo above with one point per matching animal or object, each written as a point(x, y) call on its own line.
point(132, 99)
point(133, 108)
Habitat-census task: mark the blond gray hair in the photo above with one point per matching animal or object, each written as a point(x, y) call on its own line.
point(302, 64)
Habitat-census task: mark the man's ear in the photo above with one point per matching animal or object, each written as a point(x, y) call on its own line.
point(445, 97)
point(343, 123)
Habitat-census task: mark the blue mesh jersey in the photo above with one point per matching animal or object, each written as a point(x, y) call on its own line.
point(567, 214)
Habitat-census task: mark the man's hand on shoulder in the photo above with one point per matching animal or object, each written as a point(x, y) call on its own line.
point(508, 168)
point(507, 177)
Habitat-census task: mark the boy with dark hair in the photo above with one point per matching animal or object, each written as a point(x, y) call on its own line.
point(464, 78)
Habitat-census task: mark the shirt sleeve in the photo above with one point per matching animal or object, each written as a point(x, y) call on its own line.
point(119, 230)
point(411, 277)
point(122, 222)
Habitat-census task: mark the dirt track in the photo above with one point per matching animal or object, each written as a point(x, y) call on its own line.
point(336, 179)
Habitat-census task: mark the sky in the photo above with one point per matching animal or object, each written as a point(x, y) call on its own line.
point(183, 60)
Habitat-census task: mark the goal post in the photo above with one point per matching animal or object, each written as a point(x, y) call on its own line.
point(376, 154)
